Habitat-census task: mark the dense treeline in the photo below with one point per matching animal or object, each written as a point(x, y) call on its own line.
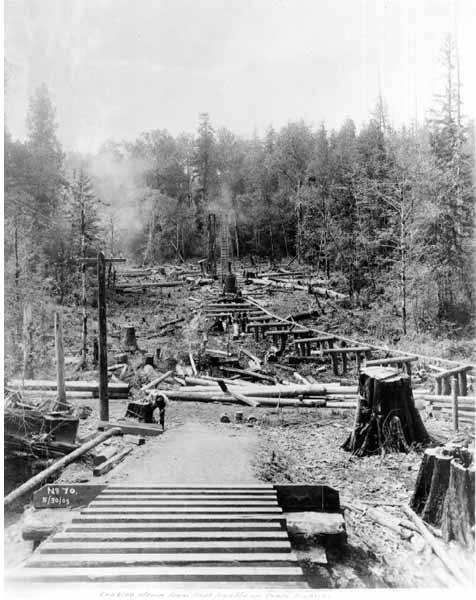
point(387, 214)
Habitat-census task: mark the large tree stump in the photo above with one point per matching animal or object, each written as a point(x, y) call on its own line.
point(444, 492)
point(129, 342)
point(431, 486)
point(386, 418)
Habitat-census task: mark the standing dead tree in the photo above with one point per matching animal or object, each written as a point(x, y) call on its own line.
point(386, 418)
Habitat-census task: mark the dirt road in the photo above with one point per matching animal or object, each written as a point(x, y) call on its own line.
point(192, 452)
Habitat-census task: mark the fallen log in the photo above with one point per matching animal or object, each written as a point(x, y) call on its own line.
point(155, 284)
point(71, 386)
point(251, 374)
point(29, 485)
point(436, 546)
point(237, 395)
point(172, 322)
point(303, 315)
point(378, 517)
point(104, 455)
point(112, 462)
point(130, 428)
point(155, 382)
point(314, 289)
point(287, 391)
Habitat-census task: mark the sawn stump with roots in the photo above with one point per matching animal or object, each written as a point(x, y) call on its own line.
point(386, 418)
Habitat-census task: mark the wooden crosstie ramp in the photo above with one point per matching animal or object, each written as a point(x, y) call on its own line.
point(191, 534)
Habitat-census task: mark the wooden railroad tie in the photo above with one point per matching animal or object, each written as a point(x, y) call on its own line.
point(222, 535)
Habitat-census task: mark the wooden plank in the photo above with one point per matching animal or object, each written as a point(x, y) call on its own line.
point(390, 361)
point(184, 509)
point(297, 497)
point(102, 338)
point(135, 429)
point(111, 463)
point(455, 371)
point(143, 546)
point(61, 403)
point(347, 350)
point(108, 495)
point(195, 486)
point(168, 527)
point(72, 386)
point(130, 587)
point(144, 559)
point(169, 537)
point(176, 516)
point(156, 573)
point(177, 503)
point(303, 340)
point(66, 495)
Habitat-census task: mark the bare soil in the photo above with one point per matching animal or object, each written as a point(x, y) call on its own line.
point(285, 445)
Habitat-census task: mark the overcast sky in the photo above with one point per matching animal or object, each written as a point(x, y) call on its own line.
point(116, 68)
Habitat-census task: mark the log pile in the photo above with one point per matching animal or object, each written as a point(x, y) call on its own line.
point(444, 492)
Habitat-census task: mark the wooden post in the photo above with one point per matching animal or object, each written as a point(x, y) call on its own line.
point(27, 372)
point(446, 386)
point(344, 358)
point(84, 294)
point(335, 368)
point(438, 388)
point(60, 381)
point(103, 398)
point(463, 383)
point(454, 402)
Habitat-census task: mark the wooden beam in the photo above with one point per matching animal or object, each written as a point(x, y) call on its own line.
point(103, 375)
point(61, 403)
point(148, 429)
point(111, 462)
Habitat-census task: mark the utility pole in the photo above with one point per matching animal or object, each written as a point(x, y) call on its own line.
point(84, 297)
point(103, 394)
point(61, 403)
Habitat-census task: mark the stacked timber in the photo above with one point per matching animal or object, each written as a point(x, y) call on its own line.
point(279, 395)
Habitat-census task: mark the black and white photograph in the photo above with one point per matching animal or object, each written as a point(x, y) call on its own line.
point(239, 299)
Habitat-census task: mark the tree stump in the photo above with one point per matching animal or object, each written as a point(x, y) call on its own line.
point(129, 342)
point(444, 492)
point(431, 485)
point(386, 418)
point(149, 360)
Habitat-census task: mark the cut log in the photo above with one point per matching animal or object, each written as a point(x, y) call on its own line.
point(435, 545)
point(156, 382)
point(112, 462)
point(237, 395)
point(103, 455)
point(386, 417)
point(377, 516)
point(129, 341)
point(131, 428)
